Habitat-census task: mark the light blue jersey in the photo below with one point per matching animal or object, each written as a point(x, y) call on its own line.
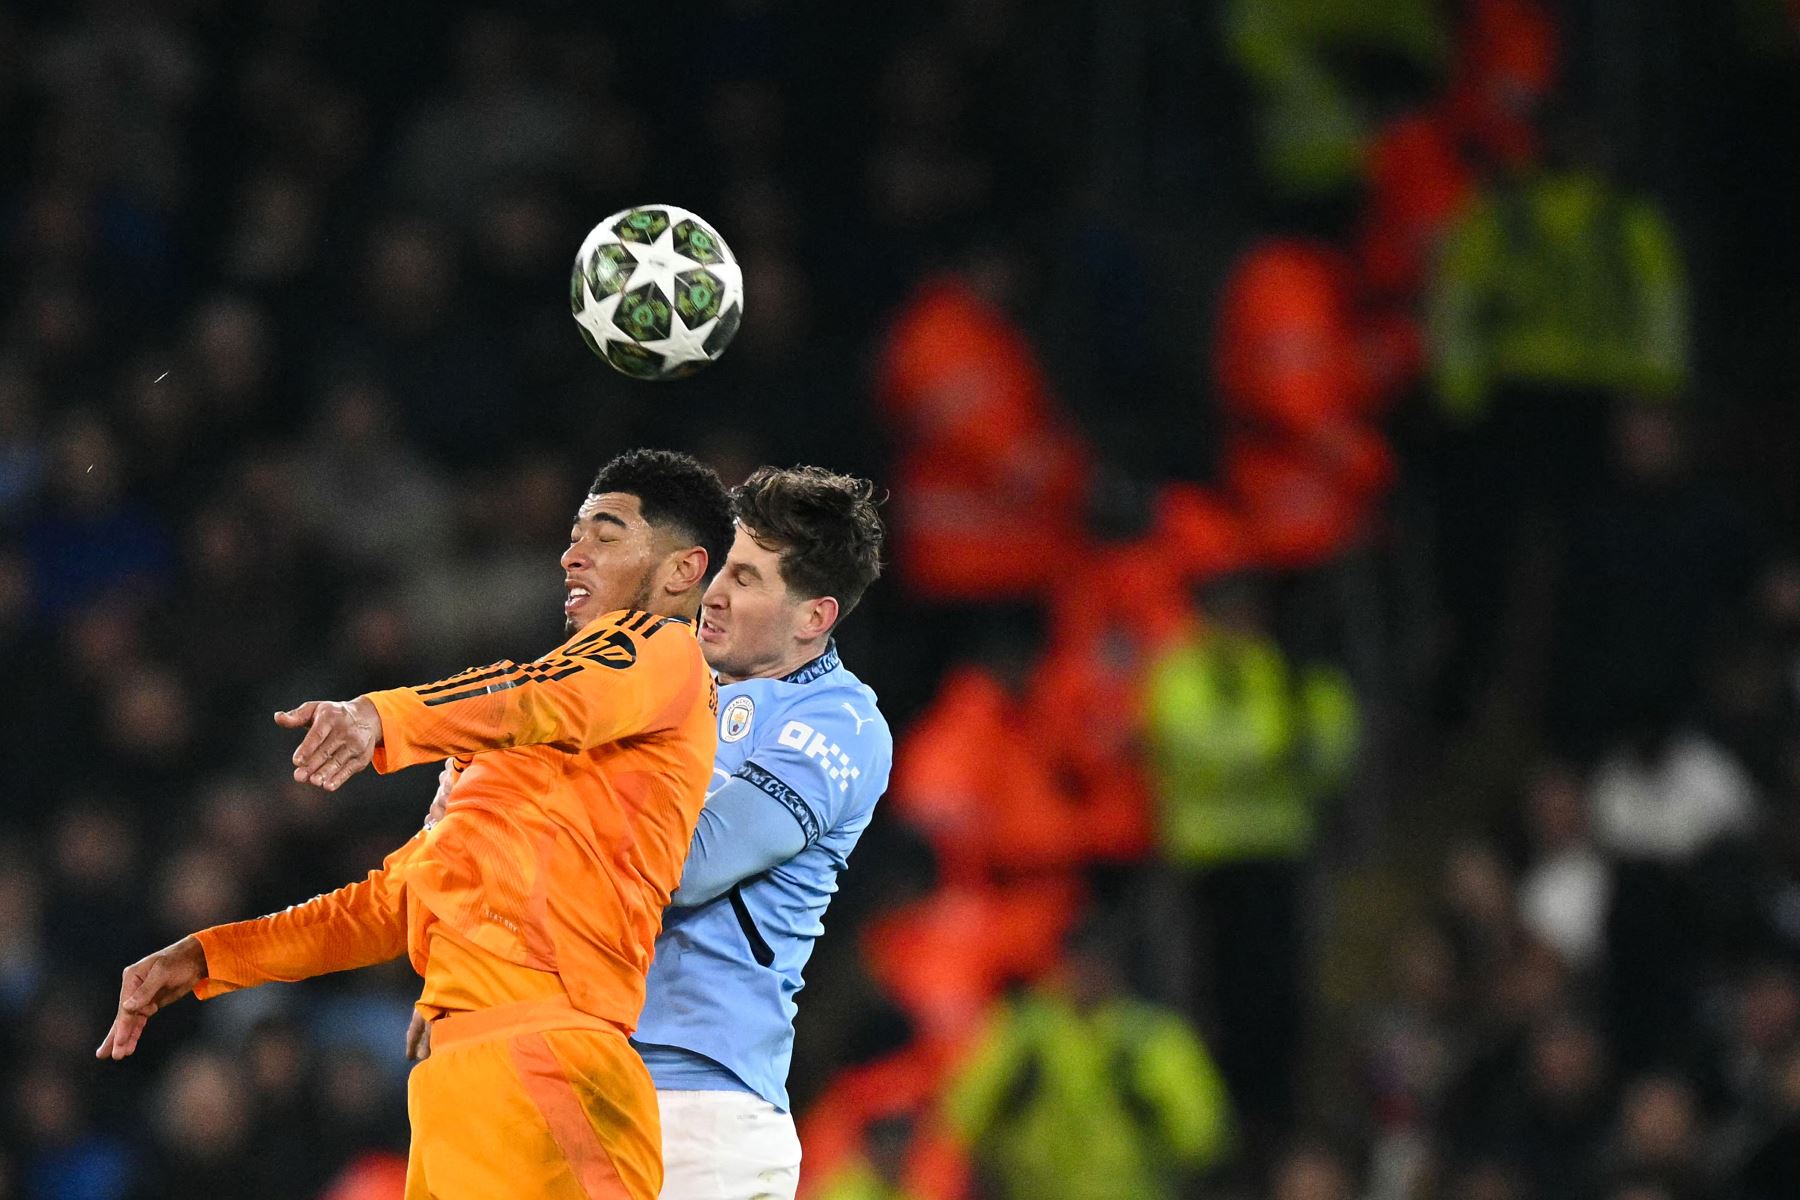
point(720, 1009)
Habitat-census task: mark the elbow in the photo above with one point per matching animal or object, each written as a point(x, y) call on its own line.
point(693, 893)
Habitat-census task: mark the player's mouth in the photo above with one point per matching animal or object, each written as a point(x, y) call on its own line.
point(577, 596)
point(710, 632)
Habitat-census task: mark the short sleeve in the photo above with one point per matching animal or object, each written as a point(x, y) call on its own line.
point(819, 760)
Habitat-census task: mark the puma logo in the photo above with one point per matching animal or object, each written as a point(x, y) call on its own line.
point(857, 717)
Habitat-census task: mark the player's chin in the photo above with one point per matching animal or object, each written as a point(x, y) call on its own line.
point(716, 646)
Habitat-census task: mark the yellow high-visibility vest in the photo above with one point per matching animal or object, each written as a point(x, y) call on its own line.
point(1243, 747)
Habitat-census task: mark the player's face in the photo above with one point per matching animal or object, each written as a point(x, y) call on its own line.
point(611, 560)
point(747, 618)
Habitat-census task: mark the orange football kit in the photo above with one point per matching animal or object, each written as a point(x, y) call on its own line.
point(530, 909)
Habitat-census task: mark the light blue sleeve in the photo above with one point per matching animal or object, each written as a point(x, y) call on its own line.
point(819, 761)
point(740, 834)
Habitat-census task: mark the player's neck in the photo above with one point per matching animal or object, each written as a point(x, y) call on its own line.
point(684, 606)
point(783, 667)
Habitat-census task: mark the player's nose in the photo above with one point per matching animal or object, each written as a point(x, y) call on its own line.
point(573, 558)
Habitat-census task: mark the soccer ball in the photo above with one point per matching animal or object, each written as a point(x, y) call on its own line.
point(656, 292)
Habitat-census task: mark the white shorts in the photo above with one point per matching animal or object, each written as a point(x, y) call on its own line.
point(727, 1146)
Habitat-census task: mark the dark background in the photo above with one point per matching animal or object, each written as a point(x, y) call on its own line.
point(291, 407)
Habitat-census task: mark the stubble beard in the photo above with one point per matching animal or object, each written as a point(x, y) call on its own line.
point(645, 591)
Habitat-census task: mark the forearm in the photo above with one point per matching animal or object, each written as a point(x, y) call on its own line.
point(569, 703)
point(741, 834)
point(414, 729)
point(358, 925)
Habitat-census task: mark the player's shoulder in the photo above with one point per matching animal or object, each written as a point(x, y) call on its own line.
point(795, 707)
point(828, 685)
point(850, 705)
point(838, 718)
point(632, 637)
point(853, 702)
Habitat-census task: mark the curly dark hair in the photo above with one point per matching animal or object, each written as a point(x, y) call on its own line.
point(824, 526)
point(675, 492)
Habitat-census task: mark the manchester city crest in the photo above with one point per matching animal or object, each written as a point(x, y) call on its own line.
point(734, 722)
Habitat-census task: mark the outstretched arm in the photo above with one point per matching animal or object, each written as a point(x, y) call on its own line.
point(358, 925)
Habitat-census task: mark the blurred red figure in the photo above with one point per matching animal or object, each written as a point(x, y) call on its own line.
point(1084, 698)
point(1304, 502)
point(876, 1133)
point(972, 776)
point(1112, 609)
point(1300, 378)
point(373, 1176)
point(1110, 612)
point(1289, 353)
point(1426, 165)
point(989, 479)
point(945, 958)
point(1198, 531)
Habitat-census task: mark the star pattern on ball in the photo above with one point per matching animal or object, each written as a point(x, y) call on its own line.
point(683, 344)
point(660, 261)
point(657, 263)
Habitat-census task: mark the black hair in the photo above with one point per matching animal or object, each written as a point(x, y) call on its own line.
point(824, 526)
point(676, 492)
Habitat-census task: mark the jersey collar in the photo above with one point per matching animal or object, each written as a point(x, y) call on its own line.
point(822, 665)
point(638, 620)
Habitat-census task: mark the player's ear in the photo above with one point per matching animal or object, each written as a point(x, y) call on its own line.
point(685, 570)
point(817, 616)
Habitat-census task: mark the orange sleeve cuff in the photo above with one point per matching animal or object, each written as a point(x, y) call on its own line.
point(396, 750)
point(226, 970)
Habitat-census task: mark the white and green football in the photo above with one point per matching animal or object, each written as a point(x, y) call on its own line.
point(656, 291)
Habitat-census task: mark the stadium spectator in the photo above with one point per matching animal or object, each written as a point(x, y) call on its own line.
point(1414, 1041)
point(989, 481)
point(1565, 890)
point(1310, 108)
point(1658, 523)
point(1657, 1144)
point(92, 536)
point(1312, 1172)
point(1554, 286)
point(1425, 166)
point(1771, 1160)
point(499, 120)
point(21, 450)
point(1556, 1122)
point(1245, 747)
point(1081, 1090)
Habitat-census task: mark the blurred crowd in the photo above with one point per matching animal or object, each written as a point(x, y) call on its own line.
point(1351, 752)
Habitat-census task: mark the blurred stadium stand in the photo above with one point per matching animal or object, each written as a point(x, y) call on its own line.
point(1344, 637)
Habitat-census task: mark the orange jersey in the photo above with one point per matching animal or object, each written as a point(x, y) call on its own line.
point(566, 833)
